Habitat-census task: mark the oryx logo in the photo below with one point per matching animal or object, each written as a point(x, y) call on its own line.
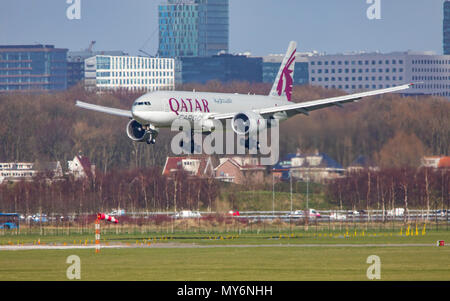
point(286, 84)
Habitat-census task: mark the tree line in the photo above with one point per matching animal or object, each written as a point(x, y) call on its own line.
point(386, 189)
point(391, 130)
point(133, 190)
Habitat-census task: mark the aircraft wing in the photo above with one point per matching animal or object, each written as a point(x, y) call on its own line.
point(112, 111)
point(308, 106)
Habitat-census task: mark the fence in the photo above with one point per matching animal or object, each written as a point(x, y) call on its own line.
point(143, 223)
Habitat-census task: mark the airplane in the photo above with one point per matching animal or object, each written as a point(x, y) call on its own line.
point(159, 109)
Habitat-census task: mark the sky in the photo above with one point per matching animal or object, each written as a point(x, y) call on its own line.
point(261, 27)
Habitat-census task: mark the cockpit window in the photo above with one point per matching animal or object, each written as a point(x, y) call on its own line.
point(143, 103)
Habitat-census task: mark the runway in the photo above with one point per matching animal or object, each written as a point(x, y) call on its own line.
point(190, 246)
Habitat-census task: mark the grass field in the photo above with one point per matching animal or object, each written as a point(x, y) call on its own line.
point(230, 264)
point(250, 257)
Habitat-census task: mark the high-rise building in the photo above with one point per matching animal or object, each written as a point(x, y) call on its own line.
point(193, 27)
point(32, 68)
point(129, 72)
point(446, 27)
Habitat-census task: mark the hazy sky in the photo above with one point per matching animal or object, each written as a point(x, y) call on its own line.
point(258, 26)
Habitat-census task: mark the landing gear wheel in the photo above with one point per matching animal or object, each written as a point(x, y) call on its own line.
point(190, 146)
point(247, 144)
point(150, 139)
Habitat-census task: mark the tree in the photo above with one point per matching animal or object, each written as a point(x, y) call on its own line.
point(401, 150)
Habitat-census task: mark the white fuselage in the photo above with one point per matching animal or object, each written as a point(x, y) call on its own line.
point(163, 107)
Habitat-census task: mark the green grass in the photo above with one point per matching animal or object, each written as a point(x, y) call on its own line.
point(230, 264)
point(262, 200)
point(257, 235)
point(245, 263)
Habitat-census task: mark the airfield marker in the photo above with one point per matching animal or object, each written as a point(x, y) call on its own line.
point(97, 235)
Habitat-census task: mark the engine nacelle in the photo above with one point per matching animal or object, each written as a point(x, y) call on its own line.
point(136, 131)
point(248, 123)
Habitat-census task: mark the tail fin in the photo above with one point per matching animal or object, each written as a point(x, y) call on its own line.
point(284, 80)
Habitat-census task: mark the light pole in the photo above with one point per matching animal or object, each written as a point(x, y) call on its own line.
point(307, 201)
point(307, 192)
point(290, 179)
point(273, 193)
point(290, 215)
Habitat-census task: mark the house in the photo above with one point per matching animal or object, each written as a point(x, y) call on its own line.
point(360, 163)
point(280, 171)
point(435, 162)
point(240, 170)
point(81, 167)
point(315, 167)
point(200, 166)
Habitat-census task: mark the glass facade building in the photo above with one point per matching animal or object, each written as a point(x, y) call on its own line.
point(32, 68)
point(270, 71)
point(271, 65)
point(446, 28)
point(75, 73)
point(223, 68)
point(193, 28)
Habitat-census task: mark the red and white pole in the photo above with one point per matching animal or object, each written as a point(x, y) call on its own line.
point(97, 235)
point(106, 217)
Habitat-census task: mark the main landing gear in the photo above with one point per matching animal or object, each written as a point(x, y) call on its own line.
point(252, 145)
point(150, 135)
point(190, 147)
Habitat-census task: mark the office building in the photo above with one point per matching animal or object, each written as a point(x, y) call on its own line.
point(223, 68)
point(26, 171)
point(129, 72)
point(193, 27)
point(271, 66)
point(369, 71)
point(33, 68)
point(75, 63)
point(446, 28)
point(75, 73)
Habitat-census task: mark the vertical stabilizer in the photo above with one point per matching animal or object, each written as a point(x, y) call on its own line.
point(285, 78)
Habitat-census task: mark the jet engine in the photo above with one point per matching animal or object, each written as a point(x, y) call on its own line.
point(248, 123)
point(136, 131)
